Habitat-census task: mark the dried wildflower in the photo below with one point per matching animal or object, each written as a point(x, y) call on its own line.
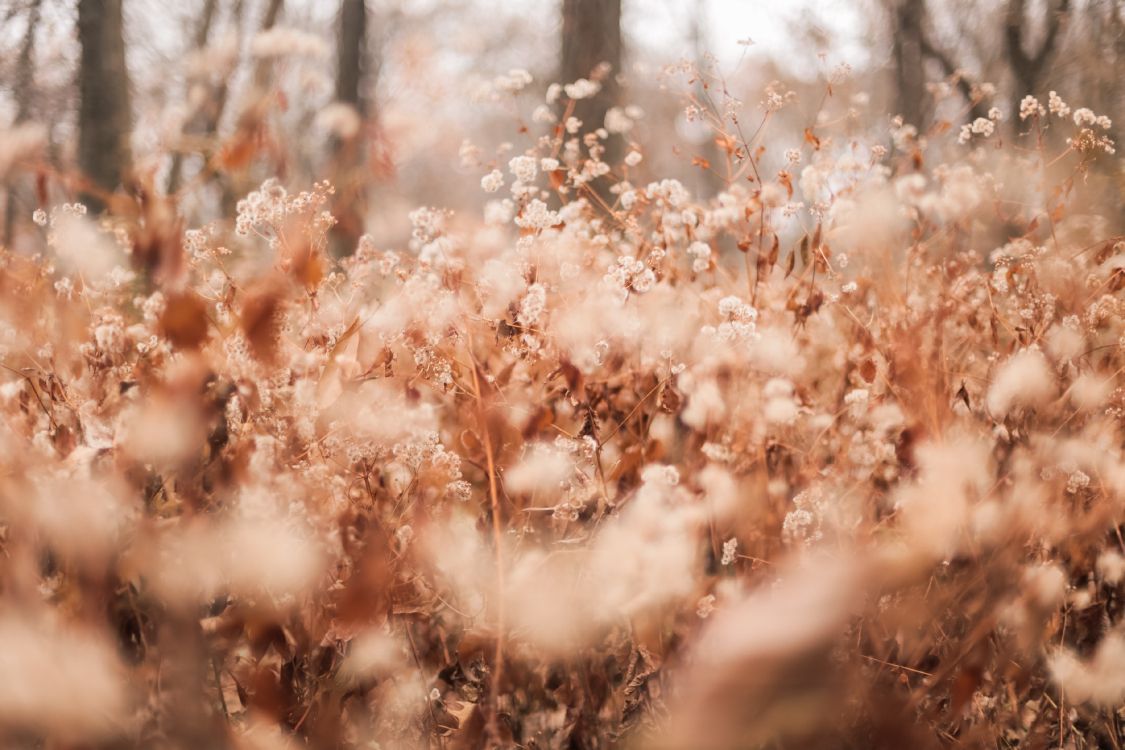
point(730, 551)
point(1030, 107)
point(1057, 106)
point(1111, 567)
point(537, 216)
point(1024, 380)
point(492, 181)
point(1078, 480)
point(701, 252)
point(819, 408)
point(777, 97)
point(1097, 680)
point(705, 607)
point(515, 81)
point(582, 89)
point(523, 168)
point(618, 121)
point(64, 681)
point(981, 126)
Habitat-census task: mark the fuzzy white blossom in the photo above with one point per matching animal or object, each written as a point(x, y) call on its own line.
point(1024, 380)
point(582, 89)
point(524, 168)
point(1030, 107)
point(492, 181)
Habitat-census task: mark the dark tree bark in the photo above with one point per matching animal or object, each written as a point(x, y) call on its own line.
point(591, 48)
point(351, 58)
point(350, 203)
point(910, 78)
point(104, 115)
point(912, 48)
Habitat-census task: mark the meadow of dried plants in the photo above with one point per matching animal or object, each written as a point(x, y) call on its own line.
point(832, 458)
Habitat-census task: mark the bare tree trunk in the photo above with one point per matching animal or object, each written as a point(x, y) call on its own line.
point(252, 116)
point(1112, 92)
point(910, 78)
point(351, 53)
point(206, 21)
point(972, 94)
point(198, 121)
point(351, 65)
point(23, 82)
point(1028, 67)
point(591, 48)
point(104, 115)
point(269, 20)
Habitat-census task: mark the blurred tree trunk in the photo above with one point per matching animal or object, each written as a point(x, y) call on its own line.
point(710, 180)
point(591, 48)
point(1113, 93)
point(350, 203)
point(351, 53)
point(262, 72)
point(1111, 90)
point(25, 65)
point(104, 115)
point(251, 120)
point(977, 106)
point(1028, 67)
point(910, 77)
point(199, 119)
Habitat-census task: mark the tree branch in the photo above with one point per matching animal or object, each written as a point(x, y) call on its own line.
point(943, 59)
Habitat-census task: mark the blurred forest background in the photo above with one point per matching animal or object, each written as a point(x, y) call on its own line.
point(393, 100)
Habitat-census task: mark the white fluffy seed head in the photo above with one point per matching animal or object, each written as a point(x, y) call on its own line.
point(1025, 380)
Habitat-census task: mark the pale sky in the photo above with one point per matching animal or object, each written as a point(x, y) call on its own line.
point(772, 25)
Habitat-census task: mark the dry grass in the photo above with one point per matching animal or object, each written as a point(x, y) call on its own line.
point(832, 460)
